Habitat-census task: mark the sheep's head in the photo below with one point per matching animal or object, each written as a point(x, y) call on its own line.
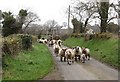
point(76, 49)
point(64, 49)
point(83, 58)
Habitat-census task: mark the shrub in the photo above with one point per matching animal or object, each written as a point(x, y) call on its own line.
point(13, 44)
point(82, 35)
point(34, 38)
point(5, 48)
point(104, 35)
point(64, 37)
point(76, 35)
point(14, 47)
point(26, 42)
point(56, 37)
point(39, 36)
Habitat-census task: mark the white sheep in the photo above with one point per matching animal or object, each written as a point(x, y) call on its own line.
point(56, 48)
point(70, 54)
point(42, 41)
point(90, 31)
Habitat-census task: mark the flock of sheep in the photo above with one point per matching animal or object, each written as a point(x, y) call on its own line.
point(67, 54)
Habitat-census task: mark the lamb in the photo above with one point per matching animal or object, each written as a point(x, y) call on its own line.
point(86, 51)
point(70, 54)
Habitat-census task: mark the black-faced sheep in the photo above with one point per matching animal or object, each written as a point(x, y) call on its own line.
point(78, 52)
point(59, 42)
point(62, 54)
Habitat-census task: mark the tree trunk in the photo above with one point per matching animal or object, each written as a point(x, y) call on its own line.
point(104, 15)
point(103, 25)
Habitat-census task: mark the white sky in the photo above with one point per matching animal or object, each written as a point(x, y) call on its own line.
point(45, 9)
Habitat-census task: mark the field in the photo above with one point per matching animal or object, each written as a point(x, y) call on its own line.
point(105, 50)
point(29, 65)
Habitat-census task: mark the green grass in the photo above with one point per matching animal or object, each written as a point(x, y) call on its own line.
point(29, 65)
point(104, 50)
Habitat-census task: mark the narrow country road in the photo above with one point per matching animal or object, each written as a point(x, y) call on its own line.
point(91, 70)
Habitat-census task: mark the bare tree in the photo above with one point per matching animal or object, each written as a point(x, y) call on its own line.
point(90, 10)
point(30, 18)
point(83, 11)
point(34, 29)
point(51, 25)
point(105, 14)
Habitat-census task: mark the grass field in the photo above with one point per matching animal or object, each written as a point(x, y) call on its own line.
point(29, 65)
point(104, 50)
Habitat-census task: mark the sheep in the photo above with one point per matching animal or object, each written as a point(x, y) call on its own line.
point(83, 58)
point(90, 31)
point(78, 52)
point(54, 41)
point(42, 41)
point(56, 49)
point(59, 42)
point(45, 41)
point(86, 51)
point(50, 43)
point(62, 53)
point(70, 54)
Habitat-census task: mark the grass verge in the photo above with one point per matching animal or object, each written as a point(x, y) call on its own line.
point(105, 50)
point(29, 65)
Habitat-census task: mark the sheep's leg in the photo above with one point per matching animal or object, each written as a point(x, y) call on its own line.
point(83, 60)
point(85, 56)
point(68, 61)
point(64, 59)
point(88, 56)
point(79, 57)
point(73, 60)
point(56, 55)
point(75, 57)
point(61, 59)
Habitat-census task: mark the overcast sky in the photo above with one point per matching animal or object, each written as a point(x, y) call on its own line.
point(45, 9)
